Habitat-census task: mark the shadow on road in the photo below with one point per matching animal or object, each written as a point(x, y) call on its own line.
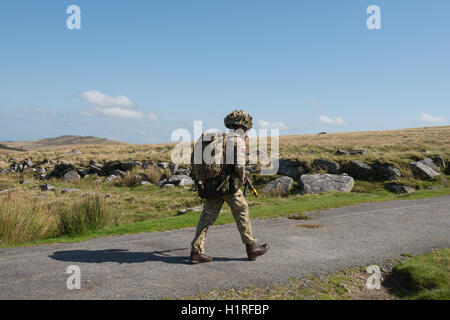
point(124, 256)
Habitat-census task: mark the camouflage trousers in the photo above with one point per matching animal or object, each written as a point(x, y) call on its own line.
point(211, 210)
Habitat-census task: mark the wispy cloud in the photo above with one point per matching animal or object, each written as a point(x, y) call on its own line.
point(103, 100)
point(328, 120)
point(39, 111)
point(271, 125)
point(120, 107)
point(428, 118)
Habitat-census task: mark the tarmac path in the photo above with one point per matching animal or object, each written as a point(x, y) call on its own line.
point(155, 265)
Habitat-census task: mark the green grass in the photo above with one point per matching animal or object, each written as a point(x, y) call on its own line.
point(424, 277)
point(264, 207)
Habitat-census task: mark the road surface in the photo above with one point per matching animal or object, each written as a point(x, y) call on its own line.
point(154, 265)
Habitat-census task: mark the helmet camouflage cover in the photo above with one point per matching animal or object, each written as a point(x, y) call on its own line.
point(239, 118)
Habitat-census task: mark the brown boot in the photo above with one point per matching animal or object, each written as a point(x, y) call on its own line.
point(199, 258)
point(254, 250)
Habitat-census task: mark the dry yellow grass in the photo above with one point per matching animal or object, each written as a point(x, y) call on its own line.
point(389, 145)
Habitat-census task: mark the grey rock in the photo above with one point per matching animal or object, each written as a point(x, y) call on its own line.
point(340, 152)
point(161, 182)
point(328, 165)
point(359, 170)
point(25, 182)
point(6, 171)
point(186, 182)
point(355, 152)
point(168, 185)
point(430, 163)
point(71, 176)
point(440, 161)
point(47, 187)
point(111, 178)
point(400, 188)
point(422, 171)
point(69, 190)
point(318, 183)
point(145, 183)
point(176, 179)
point(119, 173)
point(74, 152)
point(289, 168)
point(387, 172)
point(280, 185)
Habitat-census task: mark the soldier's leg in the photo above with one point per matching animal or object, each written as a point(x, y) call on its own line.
point(239, 208)
point(207, 218)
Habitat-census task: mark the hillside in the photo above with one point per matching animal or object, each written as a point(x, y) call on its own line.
point(67, 140)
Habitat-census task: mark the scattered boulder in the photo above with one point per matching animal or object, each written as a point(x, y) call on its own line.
point(71, 176)
point(161, 182)
point(440, 161)
point(111, 178)
point(322, 182)
point(280, 185)
point(178, 179)
point(359, 170)
point(122, 166)
point(289, 168)
point(387, 172)
point(69, 190)
point(74, 152)
point(168, 185)
point(422, 171)
point(355, 152)
point(145, 183)
point(118, 173)
point(328, 165)
point(430, 163)
point(47, 187)
point(186, 182)
point(340, 152)
point(399, 188)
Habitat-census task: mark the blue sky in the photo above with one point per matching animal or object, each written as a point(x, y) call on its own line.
point(139, 69)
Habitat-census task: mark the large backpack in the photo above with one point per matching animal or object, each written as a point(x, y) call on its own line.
point(208, 157)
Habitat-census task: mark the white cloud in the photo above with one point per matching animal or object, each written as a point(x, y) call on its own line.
point(125, 113)
point(103, 100)
point(119, 107)
point(271, 125)
point(428, 118)
point(328, 120)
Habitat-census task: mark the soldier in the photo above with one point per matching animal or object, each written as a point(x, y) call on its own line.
point(227, 187)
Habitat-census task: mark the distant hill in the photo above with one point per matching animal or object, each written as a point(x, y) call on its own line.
point(59, 141)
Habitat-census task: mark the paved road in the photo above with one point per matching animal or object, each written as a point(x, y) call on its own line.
point(154, 265)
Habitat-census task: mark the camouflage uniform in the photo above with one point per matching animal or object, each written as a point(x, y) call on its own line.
point(234, 142)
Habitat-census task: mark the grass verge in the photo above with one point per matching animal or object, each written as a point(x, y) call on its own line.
point(269, 207)
point(421, 277)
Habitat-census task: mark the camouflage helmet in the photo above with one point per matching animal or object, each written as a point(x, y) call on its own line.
point(238, 118)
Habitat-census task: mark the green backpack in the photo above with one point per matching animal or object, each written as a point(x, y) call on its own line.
point(208, 157)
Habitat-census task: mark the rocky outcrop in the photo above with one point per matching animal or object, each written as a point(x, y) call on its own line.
point(328, 165)
point(280, 185)
point(289, 168)
point(318, 183)
point(71, 176)
point(422, 171)
point(430, 163)
point(386, 172)
point(359, 170)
